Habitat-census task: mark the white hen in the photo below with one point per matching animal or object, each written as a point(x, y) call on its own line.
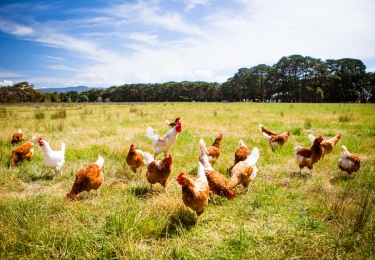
point(163, 143)
point(52, 159)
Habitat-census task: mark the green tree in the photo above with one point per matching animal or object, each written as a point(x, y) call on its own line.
point(83, 98)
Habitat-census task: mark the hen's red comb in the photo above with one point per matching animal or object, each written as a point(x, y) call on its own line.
point(180, 175)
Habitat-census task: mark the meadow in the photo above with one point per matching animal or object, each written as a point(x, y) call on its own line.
point(284, 216)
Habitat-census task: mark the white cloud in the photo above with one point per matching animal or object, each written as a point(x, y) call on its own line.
point(16, 29)
point(61, 67)
point(147, 41)
point(146, 38)
point(206, 74)
point(6, 83)
point(191, 4)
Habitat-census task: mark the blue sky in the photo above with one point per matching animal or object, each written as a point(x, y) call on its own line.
point(104, 43)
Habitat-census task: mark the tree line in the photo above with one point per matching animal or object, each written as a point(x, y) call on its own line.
point(292, 79)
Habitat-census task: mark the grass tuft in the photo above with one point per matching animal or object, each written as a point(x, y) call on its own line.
point(59, 114)
point(39, 115)
point(344, 118)
point(308, 123)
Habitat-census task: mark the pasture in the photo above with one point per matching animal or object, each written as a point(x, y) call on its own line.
point(284, 216)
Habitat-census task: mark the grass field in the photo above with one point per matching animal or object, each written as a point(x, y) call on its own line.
point(284, 216)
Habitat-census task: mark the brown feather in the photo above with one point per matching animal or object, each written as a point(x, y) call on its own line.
point(310, 155)
point(241, 174)
point(158, 171)
point(214, 149)
point(240, 155)
point(195, 199)
point(267, 131)
point(17, 137)
point(218, 184)
point(329, 144)
point(22, 152)
point(87, 178)
point(134, 159)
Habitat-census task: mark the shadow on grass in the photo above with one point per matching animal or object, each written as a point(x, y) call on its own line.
point(179, 222)
point(46, 176)
point(338, 179)
point(145, 192)
point(306, 175)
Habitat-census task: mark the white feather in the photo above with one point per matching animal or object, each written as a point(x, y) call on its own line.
point(201, 176)
point(100, 162)
point(202, 147)
point(253, 157)
point(312, 138)
point(241, 143)
point(266, 136)
point(148, 158)
point(53, 159)
point(150, 133)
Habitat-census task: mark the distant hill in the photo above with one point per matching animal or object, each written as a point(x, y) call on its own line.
point(79, 89)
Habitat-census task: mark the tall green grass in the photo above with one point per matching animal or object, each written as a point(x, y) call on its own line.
point(284, 216)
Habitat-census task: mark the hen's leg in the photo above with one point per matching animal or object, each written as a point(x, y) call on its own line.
point(212, 197)
point(311, 170)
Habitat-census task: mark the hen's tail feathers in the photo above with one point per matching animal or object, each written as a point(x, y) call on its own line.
point(241, 143)
point(297, 148)
point(19, 131)
point(254, 174)
point(63, 148)
point(312, 138)
point(167, 122)
point(202, 147)
point(100, 161)
point(253, 157)
point(150, 133)
point(260, 127)
point(147, 157)
point(206, 162)
point(203, 156)
point(344, 151)
point(201, 175)
point(266, 136)
point(33, 139)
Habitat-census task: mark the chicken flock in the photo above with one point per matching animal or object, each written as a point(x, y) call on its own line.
point(208, 183)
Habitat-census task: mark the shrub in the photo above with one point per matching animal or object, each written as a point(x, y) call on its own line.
point(59, 114)
point(39, 115)
point(296, 131)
